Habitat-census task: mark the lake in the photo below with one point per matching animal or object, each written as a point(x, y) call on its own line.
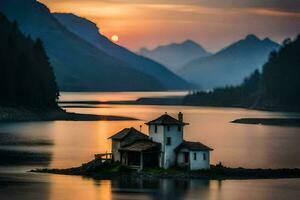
point(66, 144)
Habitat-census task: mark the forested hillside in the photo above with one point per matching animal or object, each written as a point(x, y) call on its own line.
point(277, 87)
point(26, 76)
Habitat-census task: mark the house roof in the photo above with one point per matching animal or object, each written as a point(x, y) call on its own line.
point(142, 145)
point(166, 119)
point(131, 132)
point(196, 146)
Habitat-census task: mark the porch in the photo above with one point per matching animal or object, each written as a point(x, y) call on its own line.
point(103, 157)
point(140, 155)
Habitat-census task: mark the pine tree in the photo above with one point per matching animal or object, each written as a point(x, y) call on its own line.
point(26, 75)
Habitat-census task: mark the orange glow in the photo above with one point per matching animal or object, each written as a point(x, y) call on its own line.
point(144, 24)
point(115, 38)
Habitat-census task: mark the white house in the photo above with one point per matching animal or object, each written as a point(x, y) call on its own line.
point(165, 146)
point(193, 155)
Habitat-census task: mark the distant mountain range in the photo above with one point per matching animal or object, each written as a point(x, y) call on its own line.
point(276, 87)
point(81, 66)
point(89, 31)
point(174, 55)
point(230, 65)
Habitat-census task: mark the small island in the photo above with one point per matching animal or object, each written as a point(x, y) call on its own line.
point(163, 154)
point(269, 121)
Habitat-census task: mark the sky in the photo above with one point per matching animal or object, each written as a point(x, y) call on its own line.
point(212, 23)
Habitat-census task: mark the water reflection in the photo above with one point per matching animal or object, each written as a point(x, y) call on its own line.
point(19, 150)
point(58, 187)
point(113, 96)
point(162, 189)
point(24, 186)
point(70, 187)
point(72, 143)
point(77, 142)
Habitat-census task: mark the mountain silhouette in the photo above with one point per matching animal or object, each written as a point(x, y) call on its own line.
point(276, 87)
point(230, 65)
point(78, 65)
point(89, 31)
point(175, 55)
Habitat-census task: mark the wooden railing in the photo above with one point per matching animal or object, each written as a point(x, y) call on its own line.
point(104, 157)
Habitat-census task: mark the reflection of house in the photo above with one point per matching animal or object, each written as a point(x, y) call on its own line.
point(164, 147)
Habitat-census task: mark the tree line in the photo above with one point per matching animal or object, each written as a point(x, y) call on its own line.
point(276, 86)
point(26, 76)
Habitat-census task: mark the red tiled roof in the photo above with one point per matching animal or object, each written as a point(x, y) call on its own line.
point(166, 120)
point(198, 146)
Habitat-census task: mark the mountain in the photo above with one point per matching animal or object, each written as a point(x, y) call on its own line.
point(275, 88)
point(78, 65)
point(230, 65)
point(175, 55)
point(89, 31)
point(26, 77)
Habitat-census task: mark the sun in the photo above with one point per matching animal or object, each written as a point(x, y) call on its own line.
point(115, 38)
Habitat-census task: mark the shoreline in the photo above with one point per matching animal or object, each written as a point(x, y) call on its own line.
point(95, 170)
point(287, 122)
point(174, 101)
point(10, 114)
point(290, 122)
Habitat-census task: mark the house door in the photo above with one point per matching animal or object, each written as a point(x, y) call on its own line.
point(186, 157)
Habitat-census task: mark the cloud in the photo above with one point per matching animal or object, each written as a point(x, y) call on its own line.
point(292, 6)
point(280, 5)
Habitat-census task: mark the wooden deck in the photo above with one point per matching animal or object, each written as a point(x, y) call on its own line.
point(104, 157)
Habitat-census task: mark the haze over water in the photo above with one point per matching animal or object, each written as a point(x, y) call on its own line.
point(235, 145)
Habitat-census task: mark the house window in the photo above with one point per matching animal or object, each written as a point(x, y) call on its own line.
point(155, 128)
point(204, 156)
point(168, 141)
point(179, 128)
point(168, 128)
point(195, 156)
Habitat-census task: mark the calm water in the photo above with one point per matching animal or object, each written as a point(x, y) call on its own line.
point(76, 142)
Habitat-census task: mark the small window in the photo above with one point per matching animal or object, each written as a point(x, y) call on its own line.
point(204, 156)
point(168, 128)
point(179, 128)
point(155, 128)
point(195, 156)
point(168, 141)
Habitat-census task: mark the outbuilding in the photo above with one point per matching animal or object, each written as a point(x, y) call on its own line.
point(193, 155)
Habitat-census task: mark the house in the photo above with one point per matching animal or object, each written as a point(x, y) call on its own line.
point(165, 146)
point(133, 148)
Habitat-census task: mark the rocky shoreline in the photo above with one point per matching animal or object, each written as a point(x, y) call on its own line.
point(12, 114)
point(97, 170)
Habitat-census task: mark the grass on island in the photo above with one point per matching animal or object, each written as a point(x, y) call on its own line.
point(109, 170)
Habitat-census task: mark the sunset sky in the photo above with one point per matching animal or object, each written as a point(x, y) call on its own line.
point(212, 23)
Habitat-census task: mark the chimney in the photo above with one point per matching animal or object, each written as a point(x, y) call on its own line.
point(180, 116)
